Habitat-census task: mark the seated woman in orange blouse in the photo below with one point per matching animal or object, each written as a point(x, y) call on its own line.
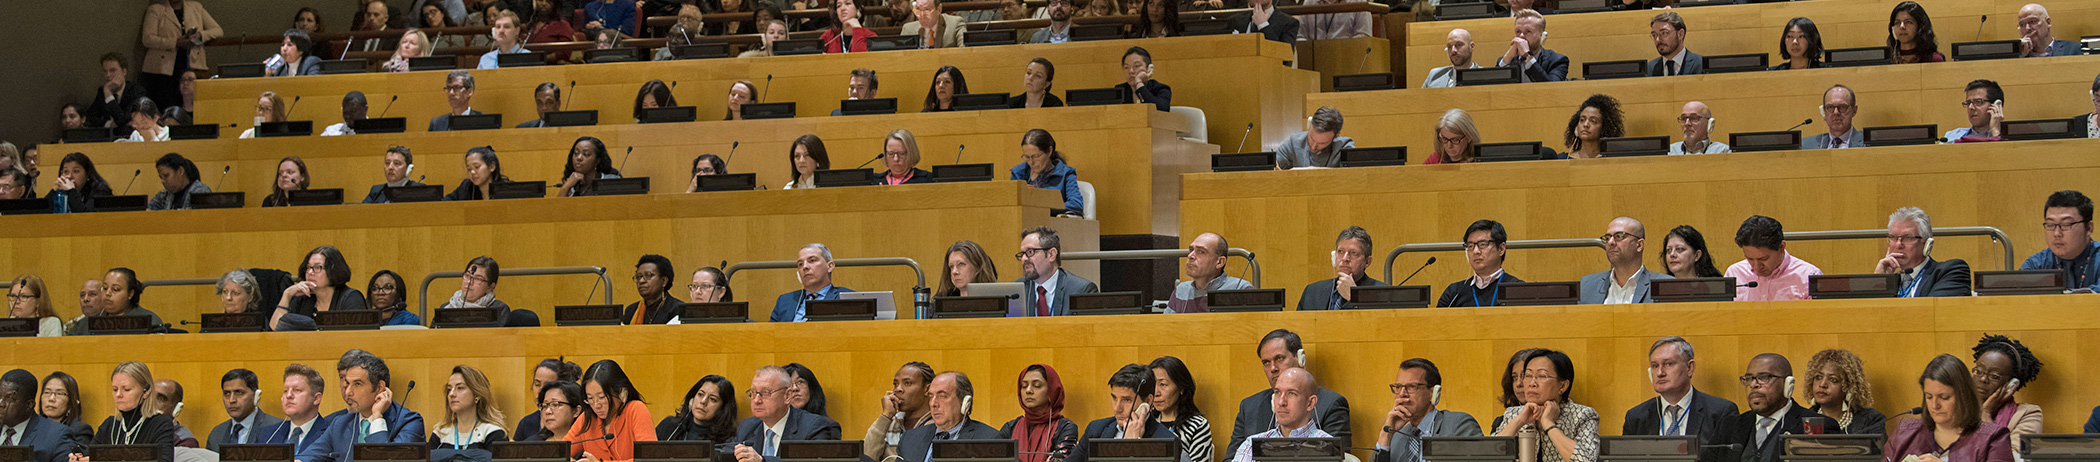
point(614, 416)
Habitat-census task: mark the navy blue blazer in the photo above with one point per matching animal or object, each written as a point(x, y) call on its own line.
point(800, 426)
point(443, 123)
point(47, 440)
point(917, 443)
point(1551, 66)
point(789, 304)
point(402, 426)
point(280, 433)
point(1105, 428)
point(1693, 65)
point(378, 194)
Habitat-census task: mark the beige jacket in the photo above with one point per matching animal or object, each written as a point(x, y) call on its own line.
point(951, 35)
point(162, 35)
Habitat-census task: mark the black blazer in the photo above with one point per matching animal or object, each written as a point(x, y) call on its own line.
point(466, 191)
point(158, 430)
point(1693, 64)
point(2080, 125)
point(1020, 101)
point(1256, 416)
point(378, 194)
point(47, 441)
point(1319, 294)
point(1551, 66)
point(918, 442)
point(1463, 292)
point(1768, 450)
point(80, 432)
point(1864, 422)
point(801, 426)
point(1064, 439)
point(1158, 94)
point(1712, 418)
point(1944, 278)
point(443, 123)
point(1282, 27)
point(662, 315)
point(1105, 428)
point(83, 201)
point(917, 176)
point(101, 110)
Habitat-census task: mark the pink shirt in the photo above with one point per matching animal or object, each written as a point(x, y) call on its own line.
point(1789, 282)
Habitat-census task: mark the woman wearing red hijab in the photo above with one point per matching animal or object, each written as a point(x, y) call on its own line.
point(1043, 431)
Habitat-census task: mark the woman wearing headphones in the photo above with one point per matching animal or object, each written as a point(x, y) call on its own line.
point(1838, 389)
point(2003, 367)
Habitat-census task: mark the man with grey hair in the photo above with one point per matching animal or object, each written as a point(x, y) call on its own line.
point(1678, 409)
point(1320, 147)
point(772, 420)
point(1910, 256)
point(1697, 123)
point(459, 94)
point(1625, 242)
point(813, 267)
point(1206, 271)
point(1351, 258)
point(949, 413)
point(2036, 40)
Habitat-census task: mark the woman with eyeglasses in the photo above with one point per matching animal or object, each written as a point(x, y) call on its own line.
point(549, 372)
point(384, 293)
point(2004, 367)
point(709, 286)
point(1954, 427)
point(477, 287)
point(2089, 124)
point(900, 154)
point(804, 392)
point(1455, 136)
point(1042, 166)
point(1567, 431)
point(560, 402)
point(708, 413)
point(28, 299)
point(323, 286)
point(60, 402)
point(612, 408)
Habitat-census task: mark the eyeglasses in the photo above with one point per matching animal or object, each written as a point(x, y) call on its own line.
point(1839, 108)
point(1688, 119)
point(1987, 376)
point(1531, 377)
point(694, 287)
point(763, 394)
point(639, 277)
point(2061, 227)
point(1905, 239)
point(475, 279)
point(455, 88)
point(1976, 103)
point(1451, 140)
point(1752, 380)
point(1025, 253)
point(1348, 254)
point(553, 404)
point(311, 268)
point(1479, 245)
point(1616, 237)
point(1399, 388)
point(20, 297)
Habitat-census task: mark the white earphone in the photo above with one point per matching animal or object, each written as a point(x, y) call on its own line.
point(966, 406)
point(1710, 123)
point(1789, 387)
point(1436, 395)
point(1301, 359)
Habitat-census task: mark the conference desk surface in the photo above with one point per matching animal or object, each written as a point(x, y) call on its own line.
point(1235, 79)
point(1291, 218)
point(1354, 353)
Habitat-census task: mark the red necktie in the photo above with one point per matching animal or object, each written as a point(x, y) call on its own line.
point(1042, 301)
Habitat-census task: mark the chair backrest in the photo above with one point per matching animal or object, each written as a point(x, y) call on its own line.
point(1198, 132)
point(1086, 200)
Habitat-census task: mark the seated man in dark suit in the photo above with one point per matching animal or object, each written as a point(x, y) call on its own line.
point(245, 424)
point(459, 93)
point(1263, 18)
point(1528, 53)
point(398, 162)
point(772, 420)
point(546, 98)
point(1281, 350)
point(815, 274)
point(1673, 59)
point(652, 280)
point(951, 419)
point(1485, 251)
point(1679, 410)
point(1048, 287)
point(20, 425)
point(1772, 412)
point(1627, 280)
point(1352, 256)
point(303, 424)
point(2036, 40)
point(1839, 106)
point(1132, 417)
point(1416, 391)
point(1910, 255)
point(370, 414)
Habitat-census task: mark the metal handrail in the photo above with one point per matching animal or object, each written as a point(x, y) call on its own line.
point(423, 295)
point(1253, 267)
point(151, 283)
point(919, 292)
point(1455, 246)
point(1995, 234)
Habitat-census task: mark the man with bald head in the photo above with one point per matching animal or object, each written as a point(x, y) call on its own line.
point(170, 395)
point(2036, 40)
point(1769, 383)
point(772, 420)
point(1296, 393)
point(1625, 243)
point(1459, 46)
point(1697, 122)
point(1840, 104)
point(1206, 271)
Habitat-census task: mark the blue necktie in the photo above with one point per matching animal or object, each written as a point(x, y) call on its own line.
point(767, 441)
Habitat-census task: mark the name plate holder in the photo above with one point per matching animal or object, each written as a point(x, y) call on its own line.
point(1388, 297)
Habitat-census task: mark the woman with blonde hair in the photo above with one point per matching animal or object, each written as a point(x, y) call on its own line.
point(28, 299)
point(414, 44)
point(966, 264)
point(900, 154)
point(1838, 389)
point(138, 419)
point(471, 418)
point(1455, 137)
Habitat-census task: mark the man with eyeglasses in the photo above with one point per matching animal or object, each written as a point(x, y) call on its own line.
point(1668, 31)
point(1769, 383)
point(1840, 104)
point(1417, 390)
point(813, 268)
point(459, 93)
point(1985, 103)
point(652, 280)
point(1458, 45)
point(1679, 410)
point(1697, 122)
point(772, 420)
point(1351, 257)
point(2036, 40)
point(1485, 251)
point(1768, 272)
point(2067, 226)
point(1910, 255)
point(1049, 286)
point(302, 424)
point(1625, 246)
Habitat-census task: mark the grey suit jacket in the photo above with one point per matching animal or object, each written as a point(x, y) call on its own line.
point(1693, 65)
point(221, 434)
point(1444, 77)
point(1067, 284)
point(2066, 48)
point(1597, 286)
point(1448, 424)
point(1853, 139)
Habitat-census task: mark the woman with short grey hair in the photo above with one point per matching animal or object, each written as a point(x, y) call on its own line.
point(237, 291)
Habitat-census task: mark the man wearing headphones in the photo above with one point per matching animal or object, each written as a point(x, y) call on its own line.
point(1132, 416)
point(1679, 410)
point(950, 409)
point(1296, 399)
point(1910, 255)
point(772, 420)
point(1416, 391)
point(244, 423)
point(1770, 383)
point(1697, 121)
point(1281, 350)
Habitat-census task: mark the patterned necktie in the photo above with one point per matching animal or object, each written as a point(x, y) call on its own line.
point(1676, 421)
point(1414, 444)
point(10, 436)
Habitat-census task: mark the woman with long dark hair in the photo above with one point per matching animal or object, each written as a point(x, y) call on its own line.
point(587, 164)
point(805, 158)
point(612, 407)
point(1800, 45)
point(707, 414)
point(1159, 18)
point(940, 95)
point(846, 34)
point(1684, 254)
point(1044, 167)
point(804, 392)
point(59, 401)
point(1174, 400)
point(1598, 118)
point(484, 170)
point(291, 176)
point(966, 264)
point(78, 185)
point(1910, 35)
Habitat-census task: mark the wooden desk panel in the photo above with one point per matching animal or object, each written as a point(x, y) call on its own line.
point(1354, 353)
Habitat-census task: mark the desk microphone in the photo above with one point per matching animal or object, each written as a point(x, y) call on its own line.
point(1366, 60)
point(1920, 410)
point(1729, 446)
point(1748, 285)
point(222, 179)
point(134, 179)
point(878, 156)
point(1979, 27)
point(1243, 138)
point(594, 291)
point(433, 44)
point(1803, 122)
point(572, 95)
point(1410, 276)
point(624, 157)
point(958, 153)
point(294, 105)
point(389, 105)
point(674, 86)
point(769, 89)
point(732, 154)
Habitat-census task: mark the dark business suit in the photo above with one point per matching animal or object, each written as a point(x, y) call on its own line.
point(1320, 295)
point(1597, 286)
point(1256, 416)
point(1769, 449)
point(1282, 27)
point(1462, 293)
point(1710, 417)
point(1853, 139)
point(47, 440)
point(1159, 95)
point(2080, 125)
point(1447, 423)
point(917, 443)
point(444, 122)
point(1693, 65)
point(2066, 48)
point(282, 433)
point(1865, 422)
point(402, 426)
point(1548, 66)
point(790, 304)
point(1020, 101)
point(661, 314)
point(1941, 279)
point(222, 433)
point(801, 426)
point(1106, 429)
point(1060, 299)
point(378, 194)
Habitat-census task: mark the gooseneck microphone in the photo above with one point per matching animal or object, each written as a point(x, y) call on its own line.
point(1366, 60)
point(1979, 28)
point(958, 153)
point(769, 89)
point(732, 154)
point(222, 179)
point(294, 105)
point(1803, 122)
point(878, 156)
point(572, 95)
point(389, 105)
point(1411, 276)
point(624, 157)
point(1243, 138)
point(134, 179)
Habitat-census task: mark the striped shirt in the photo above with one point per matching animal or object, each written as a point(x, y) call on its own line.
point(1194, 434)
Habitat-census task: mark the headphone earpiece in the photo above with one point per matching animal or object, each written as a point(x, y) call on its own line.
point(1710, 123)
point(1651, 375)
point(1301, 359)
point(1789, 388)
point(966, 406)
point(1436, 395)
